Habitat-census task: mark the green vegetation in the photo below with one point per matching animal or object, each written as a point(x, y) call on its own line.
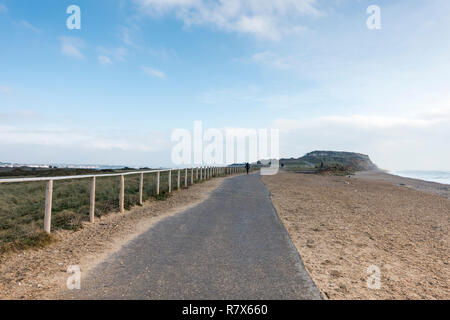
point(22, 204)
point(338, 163)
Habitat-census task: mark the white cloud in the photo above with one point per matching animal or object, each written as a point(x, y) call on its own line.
point(379, 122)
point(3, 8)
point(127, 34)
point(72, 47)
point(261, 18)
point(163, 53)
point(5, 89)
point(109, 56)
point(394, 142)
point(371, 122)
point(153, 72)
point(23, 115)
point(104, 60)
point(268, 58)
point(230, 96)
point(83, 139)
point(29, 26)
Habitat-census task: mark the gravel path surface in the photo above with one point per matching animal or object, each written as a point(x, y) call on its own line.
point(419, 185)
point(231, 246)
point(344, 227)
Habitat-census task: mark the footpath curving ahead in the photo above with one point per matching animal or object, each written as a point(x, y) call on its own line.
point(231, 246)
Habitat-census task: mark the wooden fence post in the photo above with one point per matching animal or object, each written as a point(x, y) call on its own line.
point(92, 205)
point(192, 176)
point(201, 173)
point(170, 181)
point(186, 177)
point(141, 188)
point(158, 177)
point(48, 207)
point(122, 194)
point(179, 179)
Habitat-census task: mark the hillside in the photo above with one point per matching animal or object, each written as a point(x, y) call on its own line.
point(330, 159)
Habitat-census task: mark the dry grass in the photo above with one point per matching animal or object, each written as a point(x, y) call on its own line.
point(22, 205)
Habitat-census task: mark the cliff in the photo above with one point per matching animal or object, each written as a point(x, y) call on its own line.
point(331, 159)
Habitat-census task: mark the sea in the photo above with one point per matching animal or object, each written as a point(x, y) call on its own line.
point(433, 176)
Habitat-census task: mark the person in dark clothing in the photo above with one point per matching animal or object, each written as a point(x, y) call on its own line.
point(247, 166)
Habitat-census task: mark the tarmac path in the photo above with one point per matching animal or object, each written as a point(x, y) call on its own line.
point(231, 246)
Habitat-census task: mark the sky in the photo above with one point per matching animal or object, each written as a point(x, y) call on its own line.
point(114, 91)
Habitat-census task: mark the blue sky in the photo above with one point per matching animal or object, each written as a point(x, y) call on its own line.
point(112, 92)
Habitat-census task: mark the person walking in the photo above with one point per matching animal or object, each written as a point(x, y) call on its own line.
point(247, 166)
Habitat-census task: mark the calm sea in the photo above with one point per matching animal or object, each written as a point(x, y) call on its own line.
point(434, 176)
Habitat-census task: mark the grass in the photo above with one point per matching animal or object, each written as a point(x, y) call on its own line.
point(22, 204)
point(330, 168)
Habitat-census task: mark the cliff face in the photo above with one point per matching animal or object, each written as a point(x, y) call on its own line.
point(327, 159)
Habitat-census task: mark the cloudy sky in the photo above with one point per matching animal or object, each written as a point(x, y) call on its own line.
point(112, 92)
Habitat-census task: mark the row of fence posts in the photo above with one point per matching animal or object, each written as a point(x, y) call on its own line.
point(202, 173)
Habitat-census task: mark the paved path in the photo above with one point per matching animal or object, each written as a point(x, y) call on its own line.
point(232, 246)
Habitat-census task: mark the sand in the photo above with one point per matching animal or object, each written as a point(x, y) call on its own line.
point(41, 274)
point(342, 226)
point(420, 185)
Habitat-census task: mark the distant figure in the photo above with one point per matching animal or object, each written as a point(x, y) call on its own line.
point(247, 166)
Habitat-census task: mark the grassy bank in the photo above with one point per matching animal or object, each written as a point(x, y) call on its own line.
point(22, 204)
